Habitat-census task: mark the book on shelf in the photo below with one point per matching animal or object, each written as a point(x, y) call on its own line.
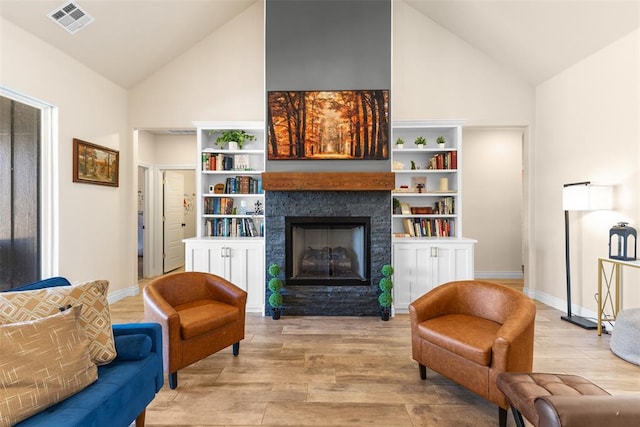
point(231, 227)
point(429, 227)
point(448, 160)
point(218, 206)
point(243, 184)
point(405, 209)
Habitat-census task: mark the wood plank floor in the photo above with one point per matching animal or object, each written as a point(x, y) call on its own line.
point(354, 371)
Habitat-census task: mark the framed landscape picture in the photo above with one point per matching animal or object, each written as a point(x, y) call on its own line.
point(94, 164)
point(328, 125)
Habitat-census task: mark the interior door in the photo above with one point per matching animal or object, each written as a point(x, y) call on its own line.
point(173, 221)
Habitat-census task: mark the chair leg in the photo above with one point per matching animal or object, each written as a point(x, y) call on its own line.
point(502, 417)
point(173, 380)
point(140, 419)
point(236, 348)
point(517, 416)
point(423, 371)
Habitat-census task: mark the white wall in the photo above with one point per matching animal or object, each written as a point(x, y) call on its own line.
point(492, 183)
point(437, 75)
point(220, 78)
point(587, 129)
point(93, 109)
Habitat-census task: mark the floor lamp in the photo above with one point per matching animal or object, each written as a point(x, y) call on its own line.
point(581, 196)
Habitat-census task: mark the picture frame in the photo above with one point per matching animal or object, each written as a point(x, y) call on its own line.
point(95, 164)
point(328, 125)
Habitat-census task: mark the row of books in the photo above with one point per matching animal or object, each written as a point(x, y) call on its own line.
point(232, 227)
point(243, 185)
point(224, 162)
point(218, 206)
point(448, 160)
point(423, 227)
point(445, 206)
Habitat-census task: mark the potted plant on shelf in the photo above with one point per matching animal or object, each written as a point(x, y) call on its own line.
point(441, 141)
point(385, 299)
point(399, 143)
point(275, 285)
point(420, 141)
point(235, 138)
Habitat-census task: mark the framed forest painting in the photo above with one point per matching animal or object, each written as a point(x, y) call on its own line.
point(94, 164)
point(328, 125)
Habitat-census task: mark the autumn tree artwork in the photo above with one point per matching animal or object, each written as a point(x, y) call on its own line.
point(333, 125)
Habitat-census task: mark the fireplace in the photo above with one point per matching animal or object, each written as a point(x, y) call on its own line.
point(325, 296)
point(327, 250)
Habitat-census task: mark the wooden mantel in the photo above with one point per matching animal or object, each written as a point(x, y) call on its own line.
point(328, 181)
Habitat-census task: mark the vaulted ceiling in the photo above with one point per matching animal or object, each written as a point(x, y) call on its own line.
point(131, 39)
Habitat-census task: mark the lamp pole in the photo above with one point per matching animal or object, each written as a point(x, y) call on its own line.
point(576, 320)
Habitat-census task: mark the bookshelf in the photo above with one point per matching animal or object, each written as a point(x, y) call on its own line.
point(231, 200)
point(426, 197)
point(230, 210)
point(428, 247)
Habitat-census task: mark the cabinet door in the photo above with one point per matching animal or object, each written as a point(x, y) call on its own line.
point(206, 257)
point(453, 262)
point(404, 267)
point(246, 270)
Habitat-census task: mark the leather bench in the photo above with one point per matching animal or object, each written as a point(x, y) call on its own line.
point(565, 400)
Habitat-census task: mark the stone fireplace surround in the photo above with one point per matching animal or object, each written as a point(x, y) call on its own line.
point(326, 300)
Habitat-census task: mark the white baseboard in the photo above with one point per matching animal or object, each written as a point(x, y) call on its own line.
point(561, 304)
point(131, 291)
point(498, 275)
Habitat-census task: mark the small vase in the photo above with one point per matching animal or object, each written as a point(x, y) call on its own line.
point(276, 314)
point(233, 145)
point(441, 145)
point(399, 146)
point(385, 313)
point(421, 146)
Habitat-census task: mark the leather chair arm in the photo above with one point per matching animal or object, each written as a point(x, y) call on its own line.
point(157, 309)
point(430, 305)
point(513, 346)
point(222, 290)
point(588, 411)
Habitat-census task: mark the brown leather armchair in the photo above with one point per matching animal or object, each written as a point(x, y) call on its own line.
point(470, 331)
point(200, 314)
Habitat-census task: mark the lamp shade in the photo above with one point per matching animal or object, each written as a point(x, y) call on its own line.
point(586, 197)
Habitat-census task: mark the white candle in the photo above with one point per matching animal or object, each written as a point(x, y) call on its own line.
point(444, 184)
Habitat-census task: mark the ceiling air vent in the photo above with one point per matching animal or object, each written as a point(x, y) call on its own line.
point(182, 131)
point(70, 17)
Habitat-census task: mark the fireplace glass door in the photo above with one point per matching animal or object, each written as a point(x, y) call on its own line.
point(327, 250)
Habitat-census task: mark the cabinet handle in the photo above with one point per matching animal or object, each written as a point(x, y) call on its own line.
point(434, 252)
point(224, 252)
point(228, 252)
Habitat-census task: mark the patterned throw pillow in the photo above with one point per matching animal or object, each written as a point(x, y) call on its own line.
point(95, 318)
point(42, 362)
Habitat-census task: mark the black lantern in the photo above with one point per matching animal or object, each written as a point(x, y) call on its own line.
point(620, 246)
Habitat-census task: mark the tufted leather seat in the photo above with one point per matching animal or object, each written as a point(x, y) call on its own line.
point(548, 400)
point(200, 314)
point(470, 331)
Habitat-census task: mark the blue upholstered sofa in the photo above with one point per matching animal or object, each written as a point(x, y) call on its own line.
point(124, 387)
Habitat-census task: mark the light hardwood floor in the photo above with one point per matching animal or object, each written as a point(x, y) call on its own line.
point(354, 371)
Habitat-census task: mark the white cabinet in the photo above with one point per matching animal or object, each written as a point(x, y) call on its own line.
point(239, 261)
point(420, 266)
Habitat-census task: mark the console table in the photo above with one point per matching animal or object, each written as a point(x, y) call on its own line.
point(610, 278)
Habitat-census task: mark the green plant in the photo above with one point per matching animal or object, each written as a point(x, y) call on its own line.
point(441, 140)
point(420, 141)
point(226, 136)
point(399, 141)
point(386, 285)
point(275, 286)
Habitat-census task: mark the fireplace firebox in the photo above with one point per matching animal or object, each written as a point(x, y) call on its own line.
point(327, 250)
